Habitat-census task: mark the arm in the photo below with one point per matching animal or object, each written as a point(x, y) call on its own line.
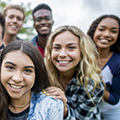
point(82, 108)
point(112, 95)
point(57, 93)
point(56, 112)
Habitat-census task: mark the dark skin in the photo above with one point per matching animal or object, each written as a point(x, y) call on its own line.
point(43, 26)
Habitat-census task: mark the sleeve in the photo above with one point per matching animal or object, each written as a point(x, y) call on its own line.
point(87, 109)
point(115, 88)
point(57, 110)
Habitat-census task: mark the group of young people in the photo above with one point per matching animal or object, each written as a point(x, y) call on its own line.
point(63, 74)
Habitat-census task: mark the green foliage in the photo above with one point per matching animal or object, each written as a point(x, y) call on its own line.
point(27, 31)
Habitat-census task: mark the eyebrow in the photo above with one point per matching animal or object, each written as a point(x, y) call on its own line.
point(15, 65)
point(67, 44)
point(112, 27)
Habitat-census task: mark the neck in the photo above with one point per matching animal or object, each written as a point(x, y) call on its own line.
point(104, 52)
point(18, 105)
point(65, 79)
point(42, 40)
point(8, 39)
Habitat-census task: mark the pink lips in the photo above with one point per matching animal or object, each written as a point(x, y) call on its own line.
point(15, 90)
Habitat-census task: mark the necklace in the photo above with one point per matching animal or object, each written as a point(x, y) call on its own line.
point(20, 106)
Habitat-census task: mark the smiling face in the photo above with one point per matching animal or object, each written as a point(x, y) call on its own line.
point(17, 74)
point(43, 21)
point(14, 21)
point(66, 52)
point(106, 33)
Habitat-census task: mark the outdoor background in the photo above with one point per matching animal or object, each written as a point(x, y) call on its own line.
point(80, 13)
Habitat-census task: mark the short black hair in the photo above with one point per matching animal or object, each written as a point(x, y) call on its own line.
point(2, 23)
point(41, 6)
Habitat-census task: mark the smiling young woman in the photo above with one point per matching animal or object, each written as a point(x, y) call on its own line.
point(23, 77)
point(70, 58)
point(105, 32)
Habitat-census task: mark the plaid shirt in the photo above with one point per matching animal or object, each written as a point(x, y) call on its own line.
point(80, 106)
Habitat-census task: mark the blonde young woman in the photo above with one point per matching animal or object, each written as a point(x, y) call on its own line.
point(70, 58)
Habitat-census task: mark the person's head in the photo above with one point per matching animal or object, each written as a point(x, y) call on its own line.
point(105, 31)
point(22, 69)
point(43, 19)
point(14, 18)
point(2, 27)
point(70, 51)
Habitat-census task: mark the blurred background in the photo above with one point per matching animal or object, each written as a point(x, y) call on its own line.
point(80, 13)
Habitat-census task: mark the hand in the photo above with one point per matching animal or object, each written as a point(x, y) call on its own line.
point(57, 93)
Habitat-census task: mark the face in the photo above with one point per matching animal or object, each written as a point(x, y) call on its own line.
point(17, 74)
point(66, 52)
point(0, 35)
point(14, 21)
point(106, 33)
point(43, 21)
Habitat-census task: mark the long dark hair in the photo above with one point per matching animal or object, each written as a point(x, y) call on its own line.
point(93, 26)
point(41, 76)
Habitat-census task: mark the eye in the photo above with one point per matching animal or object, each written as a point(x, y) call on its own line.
point(11, 16)
point(101, 29)
point(47, 18)
point(56, 48)
point(114, 31)
point(71, 47)
point(19, 18)
point(9, 67)
point(28, 70)
point(38, 19)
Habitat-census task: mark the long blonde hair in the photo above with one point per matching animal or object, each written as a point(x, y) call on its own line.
point(87, 67)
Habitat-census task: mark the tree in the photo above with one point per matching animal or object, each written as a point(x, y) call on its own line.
point(27, 32)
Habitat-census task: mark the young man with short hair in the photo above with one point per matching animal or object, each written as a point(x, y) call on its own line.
point(43, 22)
point(14, 18)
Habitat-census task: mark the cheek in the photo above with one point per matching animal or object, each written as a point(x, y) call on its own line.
point(20, 24)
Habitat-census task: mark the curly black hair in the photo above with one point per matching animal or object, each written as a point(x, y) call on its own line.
point(93, 26)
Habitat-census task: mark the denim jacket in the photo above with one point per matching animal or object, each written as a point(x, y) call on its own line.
point(44, 107)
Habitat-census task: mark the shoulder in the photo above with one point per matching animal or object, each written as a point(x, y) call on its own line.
point(34, 39)
point(45, 107)
point(45, 101)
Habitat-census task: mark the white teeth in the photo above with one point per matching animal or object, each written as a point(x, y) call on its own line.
point(13, 26)
point(43, 27)
point(63, 61)
point(104, 41)
point(16, 87)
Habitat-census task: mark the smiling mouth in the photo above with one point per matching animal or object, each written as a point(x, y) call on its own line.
point(44, 28)
point(15, 87)
point(63, 61)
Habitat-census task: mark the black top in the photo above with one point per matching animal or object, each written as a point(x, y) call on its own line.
point(18, 116)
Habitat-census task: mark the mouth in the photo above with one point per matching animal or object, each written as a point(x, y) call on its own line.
point(61, 61)
point(104, 41)
point(44, 28)
point(16, 86)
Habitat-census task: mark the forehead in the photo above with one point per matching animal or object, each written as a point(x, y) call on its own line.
point(109, 22)
point(14, 12)
point(18, 57)
point(42, 12)
point(66, 38)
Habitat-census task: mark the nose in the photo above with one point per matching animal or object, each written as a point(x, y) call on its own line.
point(43, 21)
point(107, 33)
point(17, 77)
point(15, 19)
point(63, 53)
